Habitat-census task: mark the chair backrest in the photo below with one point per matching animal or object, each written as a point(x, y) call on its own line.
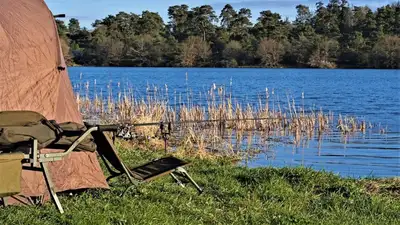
point(107, 150)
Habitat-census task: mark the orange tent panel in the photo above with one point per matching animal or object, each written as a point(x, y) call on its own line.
point(30, 79)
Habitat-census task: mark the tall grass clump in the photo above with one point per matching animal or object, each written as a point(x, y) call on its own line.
point(220, 123)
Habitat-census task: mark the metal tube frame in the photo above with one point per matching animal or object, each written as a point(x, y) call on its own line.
point(35, 158)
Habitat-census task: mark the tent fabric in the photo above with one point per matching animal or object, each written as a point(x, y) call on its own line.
point(31, 79)
point(30, 55)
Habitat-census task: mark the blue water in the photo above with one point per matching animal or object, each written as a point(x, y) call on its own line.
point(371, 95)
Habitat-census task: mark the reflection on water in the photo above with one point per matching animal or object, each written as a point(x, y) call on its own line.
point(359, 155)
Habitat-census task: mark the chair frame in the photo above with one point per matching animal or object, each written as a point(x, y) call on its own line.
point(136, 180)
point(36, 159)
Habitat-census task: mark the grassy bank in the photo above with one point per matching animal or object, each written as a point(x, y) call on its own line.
point(233, 195)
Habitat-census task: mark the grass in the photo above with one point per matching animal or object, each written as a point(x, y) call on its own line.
point(233, 195)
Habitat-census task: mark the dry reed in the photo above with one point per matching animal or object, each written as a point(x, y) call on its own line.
point(232, 121)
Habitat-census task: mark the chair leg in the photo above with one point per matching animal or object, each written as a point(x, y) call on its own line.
point(128, 189)
point(4, 201)
point(186, 174)
point(50, 186)
point(131, 187)
point(177, 180)
point(111, 171)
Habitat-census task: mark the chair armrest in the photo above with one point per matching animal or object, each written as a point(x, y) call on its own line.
point(49, 157)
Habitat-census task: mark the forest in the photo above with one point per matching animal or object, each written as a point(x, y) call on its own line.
point(335, 35)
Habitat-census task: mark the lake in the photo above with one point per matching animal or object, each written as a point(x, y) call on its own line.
point(370, 95)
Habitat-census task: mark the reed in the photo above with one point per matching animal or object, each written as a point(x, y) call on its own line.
point(232, 120)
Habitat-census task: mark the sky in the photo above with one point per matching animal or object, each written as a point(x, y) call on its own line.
point(87, 11)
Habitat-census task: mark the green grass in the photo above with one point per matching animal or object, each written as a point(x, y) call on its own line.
point(233, 195)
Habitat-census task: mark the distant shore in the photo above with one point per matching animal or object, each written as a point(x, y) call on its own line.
point(241, 67)
point(334, 35)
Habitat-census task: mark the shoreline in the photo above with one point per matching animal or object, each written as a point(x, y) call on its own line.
point(170, 67)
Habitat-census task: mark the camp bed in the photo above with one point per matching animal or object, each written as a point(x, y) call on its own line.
point(28, 155)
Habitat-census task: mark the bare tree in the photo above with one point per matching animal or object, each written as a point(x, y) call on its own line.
point(194, 51)
point(386, 53)
point(270, 51)
point(324, 54)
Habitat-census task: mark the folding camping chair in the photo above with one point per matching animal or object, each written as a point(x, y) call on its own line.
point(29, 152)
point(143, 173)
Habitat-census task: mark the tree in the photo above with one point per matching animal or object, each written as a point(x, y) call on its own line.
point(233, 54)
point(73, 26)
point(227, 16)
point(303, 22)
point(270, 51)
point(194, 52)
point(304, 15)
point(66, 51)
point(324, 54)
point(270, 25)
point(64, 42)
point(386, 53)
point(356, 55)
point(151, 23)
point(336, 34)
point(298, 51)
point(178, 24)
point(143, 50)
point(241, 24)
point(387, 18)
point(61, 28)
point(78, 43)
point(202, 21)
point(104, 50)
point(326, 19)
point(346, 24)
point(364, 22)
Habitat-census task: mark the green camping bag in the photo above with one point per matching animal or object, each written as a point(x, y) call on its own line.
point(10, 174)
point(19, 127)
point(23, 126)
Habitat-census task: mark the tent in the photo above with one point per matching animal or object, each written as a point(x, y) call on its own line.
point(33, 76)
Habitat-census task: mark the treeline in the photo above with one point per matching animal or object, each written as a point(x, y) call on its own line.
point(335, 35)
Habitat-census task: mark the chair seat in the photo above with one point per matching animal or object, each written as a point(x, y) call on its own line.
point(156, 168)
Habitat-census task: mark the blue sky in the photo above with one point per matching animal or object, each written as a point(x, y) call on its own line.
point(89, 10)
